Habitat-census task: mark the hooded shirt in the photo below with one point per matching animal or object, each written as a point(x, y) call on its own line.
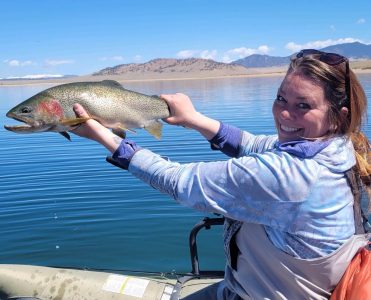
point(297, 191)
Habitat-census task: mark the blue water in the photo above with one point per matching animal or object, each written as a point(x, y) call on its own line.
point(61, 204)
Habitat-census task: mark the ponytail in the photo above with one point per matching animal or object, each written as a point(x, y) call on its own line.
point(335, 80)
point(362, 168)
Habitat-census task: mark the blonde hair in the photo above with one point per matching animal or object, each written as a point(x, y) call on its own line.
point(333, 80)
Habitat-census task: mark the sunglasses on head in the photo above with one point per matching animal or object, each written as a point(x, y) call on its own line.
point(331, 59)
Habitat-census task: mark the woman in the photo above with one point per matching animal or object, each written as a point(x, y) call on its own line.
point(288, 202)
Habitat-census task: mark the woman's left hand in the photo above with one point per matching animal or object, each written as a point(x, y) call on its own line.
point(95, 131)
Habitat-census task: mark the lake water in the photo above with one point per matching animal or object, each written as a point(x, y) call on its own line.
point(61, 204)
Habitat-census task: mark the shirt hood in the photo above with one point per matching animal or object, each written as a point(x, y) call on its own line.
point(337, 154)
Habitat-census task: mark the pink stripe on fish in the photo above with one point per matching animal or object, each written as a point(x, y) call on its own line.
point(51, 107)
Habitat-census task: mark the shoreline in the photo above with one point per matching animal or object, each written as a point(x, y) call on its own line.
point(258, 72)
point(120, 79)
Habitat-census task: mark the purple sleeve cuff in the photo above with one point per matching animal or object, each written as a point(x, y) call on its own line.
point(227, 140)
point(123, 154)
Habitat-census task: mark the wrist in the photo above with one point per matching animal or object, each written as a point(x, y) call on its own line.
point(208, 127)
point(123, 154)
point(109, 140)
point(227, 139)
point(196, 121)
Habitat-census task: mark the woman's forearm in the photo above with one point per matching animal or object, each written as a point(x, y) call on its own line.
point(208, 127)
point(110, 141)
point(183, 113)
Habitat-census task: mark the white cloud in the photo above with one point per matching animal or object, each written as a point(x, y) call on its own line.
point(205, 54)
point(115, 58)
point(18, 63)
point(208, 54)
point(227, 57)
point(242, 52)
point(293, 47)
point(138, 58)
point(187, 53)
point(54, 62)
point(35, 76)
point(40, 76)
point(361, 21)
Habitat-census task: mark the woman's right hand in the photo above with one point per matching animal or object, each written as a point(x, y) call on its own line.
point(183, 113)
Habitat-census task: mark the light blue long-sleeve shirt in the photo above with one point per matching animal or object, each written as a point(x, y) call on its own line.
point(305, 204)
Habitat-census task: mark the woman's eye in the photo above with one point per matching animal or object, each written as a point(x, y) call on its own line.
point(280, 99)
point(304, 105)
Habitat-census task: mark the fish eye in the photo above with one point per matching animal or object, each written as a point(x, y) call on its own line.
point(26, 110)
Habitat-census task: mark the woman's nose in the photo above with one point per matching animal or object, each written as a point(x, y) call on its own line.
point(286, 114)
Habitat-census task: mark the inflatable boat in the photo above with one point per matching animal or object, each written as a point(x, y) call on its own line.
point(27, 282)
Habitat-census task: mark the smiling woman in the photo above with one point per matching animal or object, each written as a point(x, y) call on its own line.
point(296, 194)
point(62, 197)
point(300, 110)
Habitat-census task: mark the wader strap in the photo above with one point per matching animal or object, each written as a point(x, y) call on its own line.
point(231, 227)
point(359, 218)
point(179, 285)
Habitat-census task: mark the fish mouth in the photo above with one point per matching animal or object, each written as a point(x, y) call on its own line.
point(28, 126)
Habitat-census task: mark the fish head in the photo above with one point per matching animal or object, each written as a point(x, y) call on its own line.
point(39, 113)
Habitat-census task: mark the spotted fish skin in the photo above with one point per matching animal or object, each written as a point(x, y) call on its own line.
point(105, 101)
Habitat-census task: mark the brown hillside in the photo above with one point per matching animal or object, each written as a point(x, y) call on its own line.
point(175, 66)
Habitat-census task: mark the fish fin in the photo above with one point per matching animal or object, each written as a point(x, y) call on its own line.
point(74, 122)
point(65, 134)
point(154, 128)
point(112, 83)
point(119, 132)
point(131, 130)
point(125, 129)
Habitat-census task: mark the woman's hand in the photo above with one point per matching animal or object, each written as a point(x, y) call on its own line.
point(183, 113)
point(95, 131)
point(90, 129)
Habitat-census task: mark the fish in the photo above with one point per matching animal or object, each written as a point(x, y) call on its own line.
point(106, 101)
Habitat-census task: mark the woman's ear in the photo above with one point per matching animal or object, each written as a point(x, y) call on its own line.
point(342, 118)
point(344, 112)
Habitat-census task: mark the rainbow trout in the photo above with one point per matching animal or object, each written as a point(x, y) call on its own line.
point(105, 101)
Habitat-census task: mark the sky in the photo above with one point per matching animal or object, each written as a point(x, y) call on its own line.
point(78, 37)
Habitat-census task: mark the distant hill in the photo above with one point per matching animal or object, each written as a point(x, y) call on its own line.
point(258, 61)
point(174, 66)
point(177, 68)
point(38, 77)
point(353, 51)
point(194, 68)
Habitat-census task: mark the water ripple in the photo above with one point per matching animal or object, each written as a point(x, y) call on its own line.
point(62, 204)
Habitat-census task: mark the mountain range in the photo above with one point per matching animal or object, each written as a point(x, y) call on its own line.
point(161, 66)
point(354, 51)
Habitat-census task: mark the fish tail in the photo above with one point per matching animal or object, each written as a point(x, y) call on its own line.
point(154, 128)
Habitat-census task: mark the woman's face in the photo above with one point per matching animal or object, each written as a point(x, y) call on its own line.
point(300, 109)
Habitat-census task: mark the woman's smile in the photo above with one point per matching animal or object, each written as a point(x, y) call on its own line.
point(289, 129)
point(300, 109)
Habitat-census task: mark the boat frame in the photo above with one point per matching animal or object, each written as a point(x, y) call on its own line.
point(27, 282)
